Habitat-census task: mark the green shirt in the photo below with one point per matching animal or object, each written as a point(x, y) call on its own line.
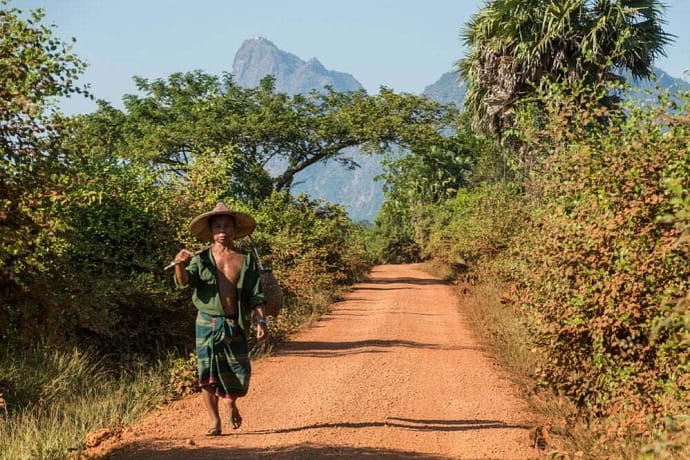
point(203, 279)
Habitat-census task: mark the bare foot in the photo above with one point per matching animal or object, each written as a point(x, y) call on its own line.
point(235, 418)
point(214, 430)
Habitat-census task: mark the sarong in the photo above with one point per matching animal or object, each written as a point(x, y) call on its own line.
point(222, 355)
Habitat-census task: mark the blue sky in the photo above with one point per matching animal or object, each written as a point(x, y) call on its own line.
point(402, 44)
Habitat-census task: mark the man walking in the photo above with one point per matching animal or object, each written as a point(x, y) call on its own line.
point(227, 292)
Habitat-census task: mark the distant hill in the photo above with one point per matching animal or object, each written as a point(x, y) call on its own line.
point(449, 88)
point(356, 190)
point(644, 90)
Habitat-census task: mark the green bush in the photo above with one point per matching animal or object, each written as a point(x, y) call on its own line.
point(606, 270)
point(475, 227)
point(595, 245)
point(391, 239)
point(312, 246)
point(34, 172)
point(111, 288)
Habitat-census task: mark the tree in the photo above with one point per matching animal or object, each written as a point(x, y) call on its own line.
point(413, 184)
point(35, 69)
point(264, 137)
point(516, 45)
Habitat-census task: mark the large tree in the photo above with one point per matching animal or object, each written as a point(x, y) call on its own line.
point(262, 137)
point(515, 45)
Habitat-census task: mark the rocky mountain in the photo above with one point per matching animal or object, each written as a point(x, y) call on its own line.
point(259, 57)
point(449, 88)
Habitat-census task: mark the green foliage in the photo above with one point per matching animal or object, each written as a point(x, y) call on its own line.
point(311, 245)
point(612, 280)
point(427, 177)
point(172, 123)
point(414, 184)
point(102, 280)
point(475, 227)
point(391, 238)
point(184, 376)
point(35, 68)
point(516, 46)
point(112, 274)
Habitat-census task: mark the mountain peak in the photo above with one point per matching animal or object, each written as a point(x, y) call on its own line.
point(258, 57)
point(316, 65)
point(265, 40)
point(359, 194)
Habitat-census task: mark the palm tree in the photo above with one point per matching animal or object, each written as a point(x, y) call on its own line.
point(515, 45)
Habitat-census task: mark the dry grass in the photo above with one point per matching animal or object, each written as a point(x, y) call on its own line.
point(74, 395)
point(497, 320)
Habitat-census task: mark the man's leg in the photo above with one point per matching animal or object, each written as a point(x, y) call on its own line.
point(211, 403)
point(235, 419)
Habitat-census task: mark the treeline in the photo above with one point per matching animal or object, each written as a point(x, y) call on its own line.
point(578, 205)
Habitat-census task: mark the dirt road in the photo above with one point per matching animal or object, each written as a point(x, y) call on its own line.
point(392, 372)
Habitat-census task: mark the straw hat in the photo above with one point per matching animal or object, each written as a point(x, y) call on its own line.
point(244, 224)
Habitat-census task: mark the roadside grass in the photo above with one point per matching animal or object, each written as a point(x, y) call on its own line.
point(499, 323)
point(54, 398)
point(496, 318)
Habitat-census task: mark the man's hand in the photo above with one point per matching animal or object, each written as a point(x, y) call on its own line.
point(183, 257)
point(262, 326)
point(261, 329)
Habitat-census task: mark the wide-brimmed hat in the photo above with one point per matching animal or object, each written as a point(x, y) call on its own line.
point(244, 223)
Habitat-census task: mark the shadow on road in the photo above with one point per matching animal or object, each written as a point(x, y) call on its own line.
point(309, 450)
point(335, 349)
point(405, 423)
point(405, 280)
point(339, 314)
point(299, 451)
point(391, 288)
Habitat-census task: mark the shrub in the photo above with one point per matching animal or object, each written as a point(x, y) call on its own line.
point(475, 227)
point(311, 245)
point(607, 276)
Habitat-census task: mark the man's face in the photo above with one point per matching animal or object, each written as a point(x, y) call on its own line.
point(222, 229)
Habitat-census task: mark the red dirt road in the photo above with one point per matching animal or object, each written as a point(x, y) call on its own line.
point(391, 372)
